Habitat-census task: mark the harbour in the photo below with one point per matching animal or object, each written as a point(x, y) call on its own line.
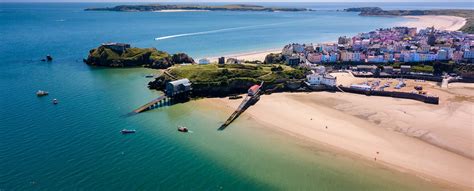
point(77, 144)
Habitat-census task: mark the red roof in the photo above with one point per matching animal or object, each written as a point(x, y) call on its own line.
point(254, 88)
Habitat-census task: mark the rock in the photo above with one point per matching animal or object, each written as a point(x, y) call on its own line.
point(132, 57)
point(274, 59)
point(180, 58)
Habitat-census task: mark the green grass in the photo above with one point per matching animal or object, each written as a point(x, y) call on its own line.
point(229, 72)
point(422, 68)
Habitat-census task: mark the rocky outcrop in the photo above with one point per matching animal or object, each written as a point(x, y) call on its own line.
point(274, 58)
point(133, 57)
point(181, 58)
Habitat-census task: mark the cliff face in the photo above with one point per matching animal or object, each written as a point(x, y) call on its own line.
point(132, 57)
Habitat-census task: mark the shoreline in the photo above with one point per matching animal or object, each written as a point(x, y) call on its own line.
point(443, 22)
point(362, 131)
point(258, 55)
point(180, 10)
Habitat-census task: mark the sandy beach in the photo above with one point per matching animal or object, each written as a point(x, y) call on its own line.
point(180, 10)
point(435, 142)
point(431, 141)
point(450, 23)
point(250, 56)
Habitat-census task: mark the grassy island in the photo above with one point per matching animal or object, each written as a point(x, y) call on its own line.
point(122, 55)
point(160, 7)
point(213, 80)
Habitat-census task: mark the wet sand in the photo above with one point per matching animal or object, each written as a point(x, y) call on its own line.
point(431, 141)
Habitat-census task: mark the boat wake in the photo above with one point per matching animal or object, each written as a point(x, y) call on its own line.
point(216, 31)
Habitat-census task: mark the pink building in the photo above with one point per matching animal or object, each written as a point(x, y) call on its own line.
point(457, 55)
point(314, 57)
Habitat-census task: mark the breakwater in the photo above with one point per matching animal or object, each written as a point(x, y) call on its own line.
point(403, 95)
point(406, 76)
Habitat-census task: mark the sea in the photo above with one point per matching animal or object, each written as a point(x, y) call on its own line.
point(77, 144)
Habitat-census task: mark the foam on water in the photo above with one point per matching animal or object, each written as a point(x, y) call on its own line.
point(216, 31)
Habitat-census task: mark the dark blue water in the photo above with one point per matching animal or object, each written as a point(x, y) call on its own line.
point(77, 145)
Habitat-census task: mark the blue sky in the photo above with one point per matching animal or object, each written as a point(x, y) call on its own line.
point(197, 1)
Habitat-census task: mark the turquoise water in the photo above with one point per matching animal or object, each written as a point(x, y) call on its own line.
point(77, 145)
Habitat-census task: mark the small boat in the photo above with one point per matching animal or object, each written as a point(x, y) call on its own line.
point(127, 131)
point(183, 129)
point(49, 58)
point(55, 101)
point(235, 97)
point(149, 76)
point(40, 93)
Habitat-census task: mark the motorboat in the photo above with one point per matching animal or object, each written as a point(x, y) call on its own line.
point(40, 93)
point(183, 129)
point(235, 97)
point(55, 101)
point(149, 76)
point(127, 131)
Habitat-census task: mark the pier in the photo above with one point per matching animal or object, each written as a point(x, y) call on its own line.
point(252, 98)
point(152, 104)
point(176, 91)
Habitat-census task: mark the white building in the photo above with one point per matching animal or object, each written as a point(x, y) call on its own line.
point(321, 79)
point(204, 61)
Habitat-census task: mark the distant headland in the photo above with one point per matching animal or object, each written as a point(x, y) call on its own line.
point(377, 11)
point(162, 7)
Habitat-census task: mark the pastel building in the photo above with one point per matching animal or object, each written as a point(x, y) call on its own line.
point(442, 55)
point(468, 54)
point(314, 57)
point(457, 56)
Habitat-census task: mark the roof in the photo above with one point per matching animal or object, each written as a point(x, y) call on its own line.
point(328, 76)
point(366, 66)
point(254, 88)
point(183, 81)
point(405, 66)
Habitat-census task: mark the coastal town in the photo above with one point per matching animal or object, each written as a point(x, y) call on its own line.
point(406, 55)
point(273, 95)
point(398, 44)
point(395, 70)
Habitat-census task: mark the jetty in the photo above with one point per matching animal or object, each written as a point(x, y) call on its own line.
point(152, 104)
point(175, 91)
point(252, 97)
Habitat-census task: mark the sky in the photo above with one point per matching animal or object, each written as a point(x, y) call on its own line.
point(197, 1)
